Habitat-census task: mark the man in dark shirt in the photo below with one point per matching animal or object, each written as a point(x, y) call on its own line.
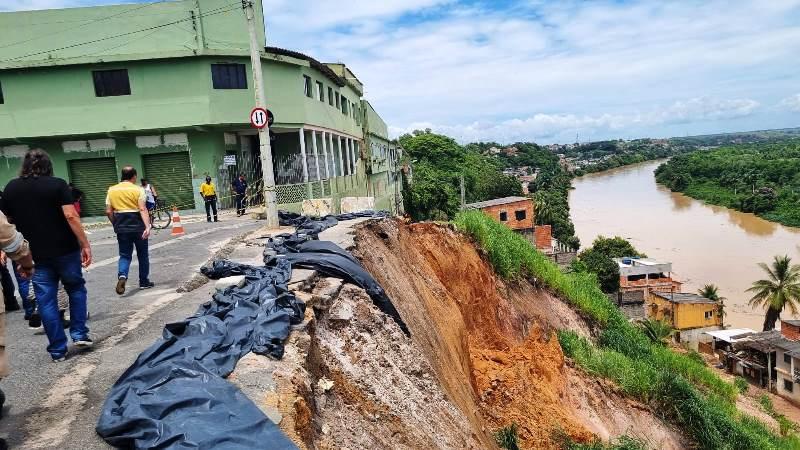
point(239, 190)
point(41, 206)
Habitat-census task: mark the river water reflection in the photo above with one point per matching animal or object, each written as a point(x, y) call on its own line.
point(705, 243)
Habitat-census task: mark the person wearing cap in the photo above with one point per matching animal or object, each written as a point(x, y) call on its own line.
point(209, 193)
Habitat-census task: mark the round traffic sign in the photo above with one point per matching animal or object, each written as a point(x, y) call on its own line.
point(259, 117)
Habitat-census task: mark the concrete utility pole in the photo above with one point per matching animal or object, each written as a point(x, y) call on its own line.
point(271, 209)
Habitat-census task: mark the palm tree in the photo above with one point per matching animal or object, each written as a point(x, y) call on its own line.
point(779, 290)
point(657, 330)
point(711, 292)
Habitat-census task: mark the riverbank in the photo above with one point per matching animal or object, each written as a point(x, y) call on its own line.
point(763, 179)
point(705, 243)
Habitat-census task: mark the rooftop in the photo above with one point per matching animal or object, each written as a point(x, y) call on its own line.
point(767, 341)
point(683, 297)
point(732, 334)
point(631, 261)
point(497, 202)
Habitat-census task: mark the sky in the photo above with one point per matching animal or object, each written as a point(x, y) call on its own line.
point(552, 71)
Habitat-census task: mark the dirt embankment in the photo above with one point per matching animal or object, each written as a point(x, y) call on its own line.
point(492, 345)
point(483, 355)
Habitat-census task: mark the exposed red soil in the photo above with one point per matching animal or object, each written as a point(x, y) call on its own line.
point(492, 344)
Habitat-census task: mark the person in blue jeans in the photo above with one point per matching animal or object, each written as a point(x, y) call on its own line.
point(126, 209)
point(41, 206)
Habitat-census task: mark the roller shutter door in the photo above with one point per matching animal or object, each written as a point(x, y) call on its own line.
point(93, 177)
point(171, 174)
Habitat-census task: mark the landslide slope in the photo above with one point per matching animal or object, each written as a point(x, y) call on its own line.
point(492, 345)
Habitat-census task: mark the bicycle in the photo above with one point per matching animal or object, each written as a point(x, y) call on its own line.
point(160, 217)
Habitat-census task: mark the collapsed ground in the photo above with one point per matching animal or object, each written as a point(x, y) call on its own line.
point(483, 354)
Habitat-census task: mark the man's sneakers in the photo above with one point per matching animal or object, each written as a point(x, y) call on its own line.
point(121, 285)
point(35, 322)
point(146, 284)
point(83, 342)
point(59, 358)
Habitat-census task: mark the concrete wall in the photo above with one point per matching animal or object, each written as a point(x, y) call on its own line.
point(510, 209)
point(683, 316)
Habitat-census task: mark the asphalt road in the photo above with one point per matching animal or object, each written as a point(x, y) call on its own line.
point(56, 405)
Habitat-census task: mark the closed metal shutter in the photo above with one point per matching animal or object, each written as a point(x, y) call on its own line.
point(93, 177)
point(171, 174)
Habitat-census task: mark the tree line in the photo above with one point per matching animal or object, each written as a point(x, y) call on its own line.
point(439, 162)
point(761, 178)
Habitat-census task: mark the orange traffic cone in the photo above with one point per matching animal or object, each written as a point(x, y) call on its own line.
point(177, 228)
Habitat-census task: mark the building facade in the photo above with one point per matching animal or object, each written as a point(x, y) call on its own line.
point(646, 275)
point(689, 314)
point(167, 88)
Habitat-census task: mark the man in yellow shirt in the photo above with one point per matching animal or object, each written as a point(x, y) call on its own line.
point(125, 208)
point(209, 193)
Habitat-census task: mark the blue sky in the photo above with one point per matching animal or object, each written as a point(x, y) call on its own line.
point(550, 70)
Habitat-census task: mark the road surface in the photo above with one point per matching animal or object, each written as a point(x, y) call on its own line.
point(56, 405)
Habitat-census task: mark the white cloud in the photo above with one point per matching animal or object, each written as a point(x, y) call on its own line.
point(549, 127)
point(792, 103)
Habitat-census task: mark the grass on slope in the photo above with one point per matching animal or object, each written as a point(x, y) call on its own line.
point(679, 387)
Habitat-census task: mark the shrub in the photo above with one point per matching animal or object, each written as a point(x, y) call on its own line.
point(741, 384)
point(507, 437)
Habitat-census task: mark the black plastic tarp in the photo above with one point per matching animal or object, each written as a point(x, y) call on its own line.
point(174, 396)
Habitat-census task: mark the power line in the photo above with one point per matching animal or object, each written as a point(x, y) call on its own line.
point(100, 19)
point(212, 12)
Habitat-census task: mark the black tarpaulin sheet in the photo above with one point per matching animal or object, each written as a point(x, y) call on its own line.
point(174, 396)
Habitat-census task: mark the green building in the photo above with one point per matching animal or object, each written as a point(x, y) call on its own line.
point(167, 88)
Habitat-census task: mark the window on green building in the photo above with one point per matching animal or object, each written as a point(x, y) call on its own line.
point(344, 105)
point(1, 95)
point(307, 86)
point(320, 92)
point(111, 83)
point(330, 95)
point(337, 101)
point(229, 76)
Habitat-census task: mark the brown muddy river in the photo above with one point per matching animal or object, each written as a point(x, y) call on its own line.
point(705, 243)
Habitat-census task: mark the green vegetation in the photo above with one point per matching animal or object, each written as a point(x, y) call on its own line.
point(623, 443)
point(679, 387)
point(550, 190)
point(785, 425)
point(760, 178)
point(605, 155)
point(741, 384)
point(597, 259)
point(657, 331)
point(781, 289)
point(711, 292)
point(507, 437)
point(439, 162)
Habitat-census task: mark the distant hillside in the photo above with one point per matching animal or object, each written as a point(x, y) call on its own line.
point(741, 137)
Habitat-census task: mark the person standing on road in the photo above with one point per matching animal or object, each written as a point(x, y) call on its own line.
point(151, 195)
point(239, 190)
point(127, 211)
point(14, 245)
point(41, 206)
point(209, 193)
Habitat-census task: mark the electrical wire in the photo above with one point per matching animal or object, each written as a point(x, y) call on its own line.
point(99, 19)
point(212, 12)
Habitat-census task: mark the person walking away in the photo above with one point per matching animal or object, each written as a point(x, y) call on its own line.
point(127, 211)
point(14, 245)
point(25, 289)
point(41, 207)
point(239, 190)
point(209, 193)
point(77, 196)
point(151, 195)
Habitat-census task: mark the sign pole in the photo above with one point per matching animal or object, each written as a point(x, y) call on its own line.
point(271, 205)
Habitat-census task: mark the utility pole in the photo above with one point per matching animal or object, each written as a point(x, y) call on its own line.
point(463, 197)
point(271, 207)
